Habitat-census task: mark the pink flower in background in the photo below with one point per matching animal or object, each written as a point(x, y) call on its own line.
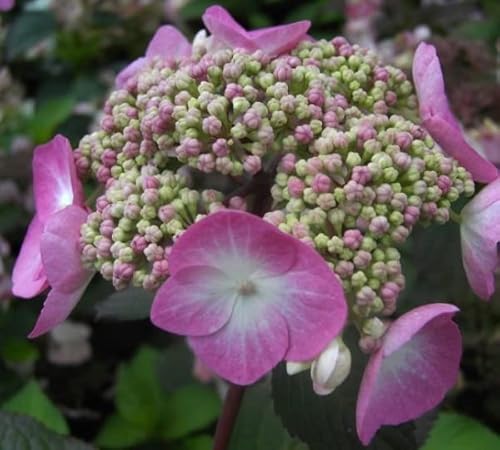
point(272, 41)
point(362, 9)
point(168, 43)
point(438, 119)
point(50, 254)
point(56, 186)
point(248, 296)
point(410, 374)
point(6, 5)
point(480, 234)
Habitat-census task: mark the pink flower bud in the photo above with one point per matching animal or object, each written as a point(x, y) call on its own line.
point(295, 187)
point(233, 90)
point(330, 119)
point(252, 119)
point(321, 183)
point(220, 148)
point(166, 213)
point(138, 244)
point(361, 174)
point(287, 163)
point(379, 225)
point(206, 162)
point(252, 164)
point(384, 193)
point(160, 268)
point(444, 183)
point(316, 96)
point(238, 203)
point(212, 126)
point(283, 72)
point(303, 134)
point(352, 239)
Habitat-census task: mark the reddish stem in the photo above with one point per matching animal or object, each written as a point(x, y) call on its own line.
point(228, 417)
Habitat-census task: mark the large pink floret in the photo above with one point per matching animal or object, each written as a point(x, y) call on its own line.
point(168, 43)
point(248, 296)
point(56, 186)
point(272, 41)
point(438, 119)
point(410, 374)
point(61, 256)
point(480, 234)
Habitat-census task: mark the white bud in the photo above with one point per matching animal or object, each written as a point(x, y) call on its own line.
point(294, 367)
point(331, 367)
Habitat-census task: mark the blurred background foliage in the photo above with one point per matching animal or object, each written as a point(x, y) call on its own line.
point(112, 380)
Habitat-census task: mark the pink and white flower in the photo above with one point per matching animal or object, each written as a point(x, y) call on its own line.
point(168, 43)
point(272, 40)
point(50, 254)
point(410, 374)
point(480, 234)
point(248, 296)
point(438, 119)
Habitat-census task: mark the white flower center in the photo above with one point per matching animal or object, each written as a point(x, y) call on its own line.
point(247, 288)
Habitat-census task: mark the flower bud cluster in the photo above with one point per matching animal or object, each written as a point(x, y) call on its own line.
point(357, 194)
point(230, 111)
point(129, 236)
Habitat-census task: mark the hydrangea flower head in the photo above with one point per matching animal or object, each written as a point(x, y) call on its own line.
point(438, 119)
point(248, 296)
point(480, 235)
point(412, 371)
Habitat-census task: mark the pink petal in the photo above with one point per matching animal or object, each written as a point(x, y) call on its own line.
point(129, 72)
point(412, 371)
point(253, 342)
point(60, 250)
point(56, 184)
point(480, 234)
point(226, 30)
point(281, 39)
point(6, 5)
point(313, 305)
point(273, 41)
point(195, 301)
point(438, 119)
point(168, 43)
point(57, 307)
point(452, 141)
point(231, 238)
point(28, 276)
point(429, 84)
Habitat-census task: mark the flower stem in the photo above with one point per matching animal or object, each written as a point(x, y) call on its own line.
point(228, 417)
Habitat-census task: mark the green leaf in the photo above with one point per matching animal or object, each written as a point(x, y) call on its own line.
point(456, 432)
point(190, 408)
point(25, 433)
point(18, 350)
point(202, 442)
point(130, 304)
point(175, 367)
point(32, 401)
point(48, 116)
point(258, 427)
point(119, 433)
point(328, 422)
point(138, 394)
point(28, 30)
